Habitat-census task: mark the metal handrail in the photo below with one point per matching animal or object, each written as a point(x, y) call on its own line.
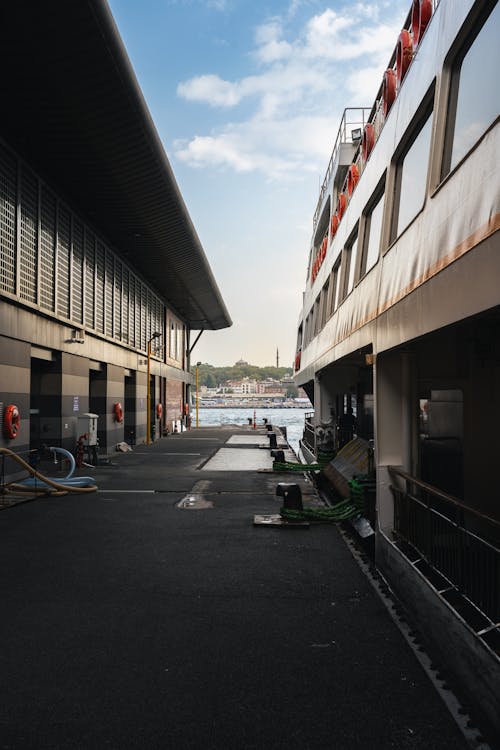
point(457, 541)
point(395, 471)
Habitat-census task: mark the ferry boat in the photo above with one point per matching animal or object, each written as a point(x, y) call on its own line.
point(398, 339)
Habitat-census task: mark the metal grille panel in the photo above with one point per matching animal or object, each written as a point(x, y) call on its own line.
point(63, 261)
point(28, 268)
point(99, 261)
point(144, 316)
point(108, 294)
point(89, 279)
point(77, 273)
point(47, 249)
point(118, 300)
point(8, 192)
point(125, 306)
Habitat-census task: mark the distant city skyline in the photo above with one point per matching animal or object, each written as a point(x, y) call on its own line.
point(247, 99)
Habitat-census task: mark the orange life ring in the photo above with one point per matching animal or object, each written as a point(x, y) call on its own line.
point(341, 205)
point(421, 12)
point(11, 421)
point(352, 178)
point(404, 55)
point(388, 89)
point(118, 411)
point(368, 141)
point(334, 225)
point(186, 408)
point(159, 411)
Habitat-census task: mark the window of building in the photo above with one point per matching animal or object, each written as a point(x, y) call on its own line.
point(372, 234)
point(411, 177)
point(475, 94)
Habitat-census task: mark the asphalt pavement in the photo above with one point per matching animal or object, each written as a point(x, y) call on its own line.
point(128, 622)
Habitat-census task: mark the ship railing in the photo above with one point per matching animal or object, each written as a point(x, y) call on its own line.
point(458, 542)
point(350, 123)
point(353, 121)
point(309, 435)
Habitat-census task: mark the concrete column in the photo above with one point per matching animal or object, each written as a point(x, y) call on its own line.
point(141, 398)
point(15, 389)
point(388, 431)
point(407, 410)
point(74, 390)
point(115, 393)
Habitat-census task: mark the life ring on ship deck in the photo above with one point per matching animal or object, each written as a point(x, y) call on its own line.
point(118, 411)
point(404, 55)
point(352, 178)
point(334, 225)
point(421, 12)
point(159, 411)
point(11, 421)
point(368, 141)
point(341, 205)
point(388, 89)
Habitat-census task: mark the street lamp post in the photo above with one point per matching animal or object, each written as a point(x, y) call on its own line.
point(148, 398)
point(197, 365)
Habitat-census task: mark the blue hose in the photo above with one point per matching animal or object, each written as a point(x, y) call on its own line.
point(68, 481)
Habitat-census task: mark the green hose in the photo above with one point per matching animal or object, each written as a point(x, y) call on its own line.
point(341, 512)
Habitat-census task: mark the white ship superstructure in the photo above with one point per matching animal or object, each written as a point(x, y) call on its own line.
point(399, 336)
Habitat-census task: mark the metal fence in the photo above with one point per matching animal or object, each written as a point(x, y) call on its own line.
point(309, 436)
point(455, 540)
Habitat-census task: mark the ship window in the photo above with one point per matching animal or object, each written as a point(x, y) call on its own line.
point(324, 298)
point(373, 231)
point(350, 266)
point(336, 286)
point(316, 316)
point(474, 96)
point(331, 293)
point(412, 178)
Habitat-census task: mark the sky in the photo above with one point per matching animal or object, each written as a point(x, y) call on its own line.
point(247, 99)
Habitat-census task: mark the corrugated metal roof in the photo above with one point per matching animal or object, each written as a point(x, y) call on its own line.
point(72, 107)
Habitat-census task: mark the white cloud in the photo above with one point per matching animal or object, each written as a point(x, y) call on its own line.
point(302, 84)
point(211, 89)
point(278, 148)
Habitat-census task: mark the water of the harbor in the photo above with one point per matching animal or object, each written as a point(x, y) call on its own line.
point(292, 419)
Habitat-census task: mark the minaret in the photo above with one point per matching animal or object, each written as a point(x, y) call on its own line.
point(277, 358)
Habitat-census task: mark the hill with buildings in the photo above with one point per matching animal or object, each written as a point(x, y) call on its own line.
point(244, 384)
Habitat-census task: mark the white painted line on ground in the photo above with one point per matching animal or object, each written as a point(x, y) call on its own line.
point(129, 492)
point(173, 453)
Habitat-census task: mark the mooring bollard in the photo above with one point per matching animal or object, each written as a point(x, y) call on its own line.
point(273, 442)
point(291, 494)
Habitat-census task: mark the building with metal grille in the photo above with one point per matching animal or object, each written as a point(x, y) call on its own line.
point(99, 259)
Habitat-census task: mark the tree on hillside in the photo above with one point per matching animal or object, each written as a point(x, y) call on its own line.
point(212, 376)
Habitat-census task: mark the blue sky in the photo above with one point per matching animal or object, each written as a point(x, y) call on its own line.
point(247, 99)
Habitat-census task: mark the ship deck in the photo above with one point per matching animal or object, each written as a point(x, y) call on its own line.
point(130, 622)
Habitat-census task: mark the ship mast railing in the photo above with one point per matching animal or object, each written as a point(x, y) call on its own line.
point(351, 122)
point(353, 119)
point(459, 543)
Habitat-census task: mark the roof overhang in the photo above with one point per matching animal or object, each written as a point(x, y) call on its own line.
point(73, 109)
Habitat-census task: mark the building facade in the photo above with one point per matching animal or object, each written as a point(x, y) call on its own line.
point(102, 275)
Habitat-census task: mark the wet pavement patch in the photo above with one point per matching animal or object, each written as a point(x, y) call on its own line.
point(194, 502)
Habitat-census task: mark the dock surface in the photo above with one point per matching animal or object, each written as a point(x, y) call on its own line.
point(129, 622)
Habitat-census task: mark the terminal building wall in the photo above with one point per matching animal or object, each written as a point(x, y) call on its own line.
point(75, 320)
